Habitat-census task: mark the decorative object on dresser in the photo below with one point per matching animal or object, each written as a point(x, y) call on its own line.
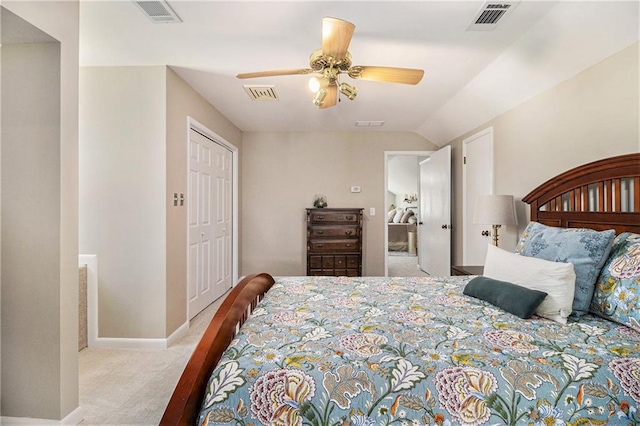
point(320, 201)
point(495, 210)
point(334, 242)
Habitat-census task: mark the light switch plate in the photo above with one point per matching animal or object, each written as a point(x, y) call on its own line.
point(372, 211)
point(355, 189)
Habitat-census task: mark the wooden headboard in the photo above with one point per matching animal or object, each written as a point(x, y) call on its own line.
point(603, 194)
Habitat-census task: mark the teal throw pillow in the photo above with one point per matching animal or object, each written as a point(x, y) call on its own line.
point(512, 298)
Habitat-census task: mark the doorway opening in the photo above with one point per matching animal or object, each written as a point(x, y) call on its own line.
point(401, 176)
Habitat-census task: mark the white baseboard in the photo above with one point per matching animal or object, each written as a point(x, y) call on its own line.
point(176, 335)
point(130, 343)
point(73, 418)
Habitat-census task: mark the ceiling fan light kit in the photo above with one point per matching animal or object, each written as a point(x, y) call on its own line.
point(349, 91)
point(334, 59)
point(318, 99)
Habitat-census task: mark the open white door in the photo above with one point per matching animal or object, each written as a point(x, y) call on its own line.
point(434, 225)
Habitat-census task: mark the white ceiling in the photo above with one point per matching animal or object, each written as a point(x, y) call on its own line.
point(470, 76)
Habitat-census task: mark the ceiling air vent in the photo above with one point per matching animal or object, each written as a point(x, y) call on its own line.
point(158, 11)
point(490, 14)
point(376, 123)
point(261, 93)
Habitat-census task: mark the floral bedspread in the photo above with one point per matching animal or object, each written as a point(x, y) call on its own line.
point(416, 351)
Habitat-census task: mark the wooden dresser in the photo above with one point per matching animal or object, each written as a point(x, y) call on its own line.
point(334, 242)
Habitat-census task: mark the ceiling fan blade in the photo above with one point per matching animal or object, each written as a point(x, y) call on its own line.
point(386, 74)
point(336, 36)
point(332, 96)
point(275, 73)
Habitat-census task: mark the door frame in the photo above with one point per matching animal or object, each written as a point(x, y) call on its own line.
point(385, 241)
point(489, 131)
point(201, 128)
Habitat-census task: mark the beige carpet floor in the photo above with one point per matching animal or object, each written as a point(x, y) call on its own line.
point(404, 266)
point(133, 386)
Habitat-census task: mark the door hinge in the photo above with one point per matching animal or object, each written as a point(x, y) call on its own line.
point(464, 160)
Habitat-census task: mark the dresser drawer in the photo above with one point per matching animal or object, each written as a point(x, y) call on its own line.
point(332, 216)
point(321, 272)
point(353, 273)
point(315, 262)
point(329, 246)
point(334, 231)
point(335, 272)
point(353, 261)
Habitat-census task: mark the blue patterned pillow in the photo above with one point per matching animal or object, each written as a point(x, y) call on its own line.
point(585, 248)
point(617, 295)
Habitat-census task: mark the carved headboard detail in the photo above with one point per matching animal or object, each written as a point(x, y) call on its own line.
point(603, 194)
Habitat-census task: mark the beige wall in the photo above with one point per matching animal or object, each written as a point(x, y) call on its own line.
point(590, 116)
point(133, 158)
point(40, 222)
point(283, 171)
point(123, 195)
point(182, 102)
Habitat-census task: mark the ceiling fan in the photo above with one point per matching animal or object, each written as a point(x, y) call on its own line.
point(333, 59)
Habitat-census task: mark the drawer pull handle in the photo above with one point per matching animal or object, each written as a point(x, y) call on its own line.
point(320, 217)
point(349, 232)
point(320, 245)
point(320, 232)
point(348, 245)
point(349, 217)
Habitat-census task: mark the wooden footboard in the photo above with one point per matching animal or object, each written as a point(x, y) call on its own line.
point(184, 405)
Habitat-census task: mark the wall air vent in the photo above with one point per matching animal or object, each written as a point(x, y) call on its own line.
point(490, 14)
point(261, 93)
point(158, 11)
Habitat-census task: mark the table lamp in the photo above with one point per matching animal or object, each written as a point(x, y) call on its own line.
point(495, 210)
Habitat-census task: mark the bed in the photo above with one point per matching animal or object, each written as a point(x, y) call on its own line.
point(398, 234)
point(401, 222)
point(322, 351)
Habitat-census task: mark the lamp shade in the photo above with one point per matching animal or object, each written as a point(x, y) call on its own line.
point(495, 210)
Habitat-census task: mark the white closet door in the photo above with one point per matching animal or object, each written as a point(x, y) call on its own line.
point(210, 211)
point(477, 177)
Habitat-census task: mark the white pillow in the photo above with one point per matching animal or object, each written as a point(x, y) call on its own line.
point(557, 279)
point(398, 216)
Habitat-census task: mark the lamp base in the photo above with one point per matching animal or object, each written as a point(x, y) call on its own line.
point(495, 234)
